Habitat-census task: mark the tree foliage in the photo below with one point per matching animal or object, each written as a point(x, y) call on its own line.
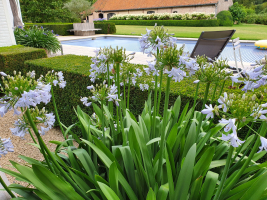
point(238, 12)
point(79, 8)
point(40, 11)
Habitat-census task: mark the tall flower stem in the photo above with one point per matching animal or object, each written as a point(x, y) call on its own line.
point(42, 144)
point(214, 92)
point(237, 153)
point(196, 94)
point(203, 105)
point(225, 172)
point(128, 96)
point(263, 129)
point(160, 82)
point(163, 128)
point(103, 123)
point(119, 109)
point(6, 188)
point(28, 129)
point(155, 107)
point(221, 90)
point(109, 103)
point(124, 91)
point(56, 112)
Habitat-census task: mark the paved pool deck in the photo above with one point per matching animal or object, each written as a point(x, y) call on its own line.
point(139, 57)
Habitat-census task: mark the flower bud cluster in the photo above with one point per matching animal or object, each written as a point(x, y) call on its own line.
point(212, 72)
point(102, 93)
point(5, 146)
point(54, 78)
point(105, 59)
point(22, 92)
point(244, 108)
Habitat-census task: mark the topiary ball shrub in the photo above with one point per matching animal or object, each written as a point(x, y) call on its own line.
point(225, 18)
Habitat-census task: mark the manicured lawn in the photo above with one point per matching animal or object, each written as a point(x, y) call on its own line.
point(244, 31)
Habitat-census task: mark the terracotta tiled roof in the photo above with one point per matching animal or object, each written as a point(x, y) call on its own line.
point(106, 5)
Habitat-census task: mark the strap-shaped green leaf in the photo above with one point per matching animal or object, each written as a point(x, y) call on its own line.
point(185, 176)
point(108, 192)
point(151, 195)
point(209, 185)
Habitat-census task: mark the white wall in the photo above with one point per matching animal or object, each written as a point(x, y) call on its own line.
point(6, 23)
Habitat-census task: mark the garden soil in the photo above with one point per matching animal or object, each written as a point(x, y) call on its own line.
point(23, 146)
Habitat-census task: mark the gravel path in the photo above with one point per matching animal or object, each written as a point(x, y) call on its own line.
point(22, 146)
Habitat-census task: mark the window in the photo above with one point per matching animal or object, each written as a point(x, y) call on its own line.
point(150, 12)
point(110, 15)
point(100, 15)
point(174, 12)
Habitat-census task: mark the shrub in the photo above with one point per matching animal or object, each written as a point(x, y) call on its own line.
point(256, 19)
point(238, 12)
point(164, 16)
point(37, 37)
point(58, 28)
point(13, 57)
point(76, 72)
point(193, 23)
point(225, 18)
point(107, 27)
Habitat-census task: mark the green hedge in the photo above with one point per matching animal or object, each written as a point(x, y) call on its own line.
point(193, 23)
point(107, 27)
point(58, 28)
point(225, 18)
point(13, 57)
point(76, 72)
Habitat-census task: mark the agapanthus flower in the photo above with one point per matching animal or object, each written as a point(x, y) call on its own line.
point(176, 74)
point(234, 140)
point(263, 144)
point(230, 125)
point(223, 101)
point(3, 74)
point(20, 129)
point(208, 111)
point(6, 146)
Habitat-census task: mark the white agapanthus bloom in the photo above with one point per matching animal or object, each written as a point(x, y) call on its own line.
point(223, 102)
point(208, 111)
point(176, 74)
point(3, 74)
point(230, 125)
point(234, 140)
point(263, 144)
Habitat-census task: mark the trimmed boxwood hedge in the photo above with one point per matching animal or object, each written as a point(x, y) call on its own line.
point(13, 57)
point(193, 23)
point(76, 72)
point(58, 28)
point(107, 27)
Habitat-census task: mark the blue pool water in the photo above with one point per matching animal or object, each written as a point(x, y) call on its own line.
point(248, 51)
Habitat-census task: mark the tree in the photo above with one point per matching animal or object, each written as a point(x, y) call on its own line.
point(79, 8)
point(14, 8)
point(238, 12)
point(39, 11)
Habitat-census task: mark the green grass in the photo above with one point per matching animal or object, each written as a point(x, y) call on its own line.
point(244, 31)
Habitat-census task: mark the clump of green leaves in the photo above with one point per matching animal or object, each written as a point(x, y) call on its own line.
point(37, 37)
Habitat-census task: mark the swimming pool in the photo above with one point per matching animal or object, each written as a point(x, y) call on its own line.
point(248, 50)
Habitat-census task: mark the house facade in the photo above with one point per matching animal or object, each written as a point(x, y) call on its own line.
point(108, 8)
